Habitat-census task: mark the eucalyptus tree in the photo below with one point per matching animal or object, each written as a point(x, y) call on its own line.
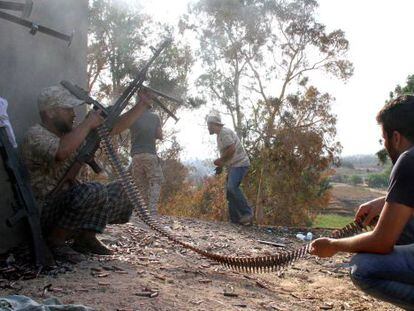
point(121, 38)
point(258, 60)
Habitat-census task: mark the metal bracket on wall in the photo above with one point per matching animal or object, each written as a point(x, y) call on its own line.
point(25, 8)
point(34, 28)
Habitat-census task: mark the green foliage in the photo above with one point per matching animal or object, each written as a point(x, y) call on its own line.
point(377, 180)
point(356, 180)
point(407, 89)
point(120, 38)
point(382, 156)
point(339, 178)
point(248, 48)
point(289, 180)
point(116, 37)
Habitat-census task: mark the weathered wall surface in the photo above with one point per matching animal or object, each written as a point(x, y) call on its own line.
point(27, 64)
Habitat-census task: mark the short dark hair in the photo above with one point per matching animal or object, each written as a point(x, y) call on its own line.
point(398, 115)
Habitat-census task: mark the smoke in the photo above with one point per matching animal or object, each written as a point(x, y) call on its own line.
point(127, 5)
point(29, 63)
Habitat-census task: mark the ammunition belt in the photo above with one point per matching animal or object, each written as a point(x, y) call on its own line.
point(258, 264)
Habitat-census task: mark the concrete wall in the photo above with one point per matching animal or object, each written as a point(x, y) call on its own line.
point(27, 64)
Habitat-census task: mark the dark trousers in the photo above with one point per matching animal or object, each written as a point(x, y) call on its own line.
point(87, 206)
point(237, 203)
point(388, 277)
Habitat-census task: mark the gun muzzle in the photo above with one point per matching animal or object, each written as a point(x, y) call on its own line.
point(25, 8)
point(159, 93)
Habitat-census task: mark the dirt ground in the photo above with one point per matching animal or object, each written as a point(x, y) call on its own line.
point(150, 273)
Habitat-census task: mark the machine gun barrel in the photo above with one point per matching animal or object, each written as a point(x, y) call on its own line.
point(163, 107)
point(159, 93)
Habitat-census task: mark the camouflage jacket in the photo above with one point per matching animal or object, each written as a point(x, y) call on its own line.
point(39, 150)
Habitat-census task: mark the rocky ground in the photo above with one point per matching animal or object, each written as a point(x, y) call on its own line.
point(150, 273)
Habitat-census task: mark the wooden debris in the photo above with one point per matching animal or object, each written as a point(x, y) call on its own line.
point(271, 243)
point(104, 284)
point(101, 275)
point(241, 305)
point(149, 294)
point(327, 306)
point(262, 284)
point(122, 272)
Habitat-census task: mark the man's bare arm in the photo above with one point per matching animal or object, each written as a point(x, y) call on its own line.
point(381, 240)
point(71, 141)
point(227, 154)
point(125, 121)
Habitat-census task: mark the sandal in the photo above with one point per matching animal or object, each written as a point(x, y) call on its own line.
point(66, 253)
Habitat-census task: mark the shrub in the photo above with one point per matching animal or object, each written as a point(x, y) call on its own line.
point(355, 180)
point(377, 180)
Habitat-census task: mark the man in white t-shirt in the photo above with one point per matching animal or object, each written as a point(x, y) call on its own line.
point(232, 156)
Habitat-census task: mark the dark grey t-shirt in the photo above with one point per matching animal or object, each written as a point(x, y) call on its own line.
point(143, 132)
point(401, 186)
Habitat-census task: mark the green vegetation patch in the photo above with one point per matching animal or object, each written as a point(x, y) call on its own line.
point(331, 221)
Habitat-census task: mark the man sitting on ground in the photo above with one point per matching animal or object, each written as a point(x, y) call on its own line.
point(77, 210)
point(382, 268)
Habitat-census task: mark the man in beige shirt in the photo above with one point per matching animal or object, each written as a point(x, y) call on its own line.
point(235, 159)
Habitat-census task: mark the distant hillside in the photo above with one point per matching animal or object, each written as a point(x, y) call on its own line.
point(199, 169)
point(360, 161)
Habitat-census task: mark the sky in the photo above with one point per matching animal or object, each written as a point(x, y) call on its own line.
point(381, 49)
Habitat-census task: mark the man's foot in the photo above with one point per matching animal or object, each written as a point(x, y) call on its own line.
point(246, 220)
point(90, 244)
point(65, 253)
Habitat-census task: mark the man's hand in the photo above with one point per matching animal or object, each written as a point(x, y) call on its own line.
point(219, 162)
point(94, 119)
point(218, 170)
point(323, 247)
point(368, 211)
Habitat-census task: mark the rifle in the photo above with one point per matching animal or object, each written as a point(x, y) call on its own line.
point(25, 8)
point(87, 151)
point(34, 28)
point(160, 104)
point(83, 94)
point(26, 204)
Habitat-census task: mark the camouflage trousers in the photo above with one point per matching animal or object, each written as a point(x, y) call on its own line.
point(147, 172)
point(87, 206)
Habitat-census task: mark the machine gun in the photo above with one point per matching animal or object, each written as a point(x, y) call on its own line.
point(83, 95)
point(160, 104)
point(111, 114)
point(27, 207)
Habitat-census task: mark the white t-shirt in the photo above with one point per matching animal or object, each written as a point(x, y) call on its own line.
point(227, 137)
